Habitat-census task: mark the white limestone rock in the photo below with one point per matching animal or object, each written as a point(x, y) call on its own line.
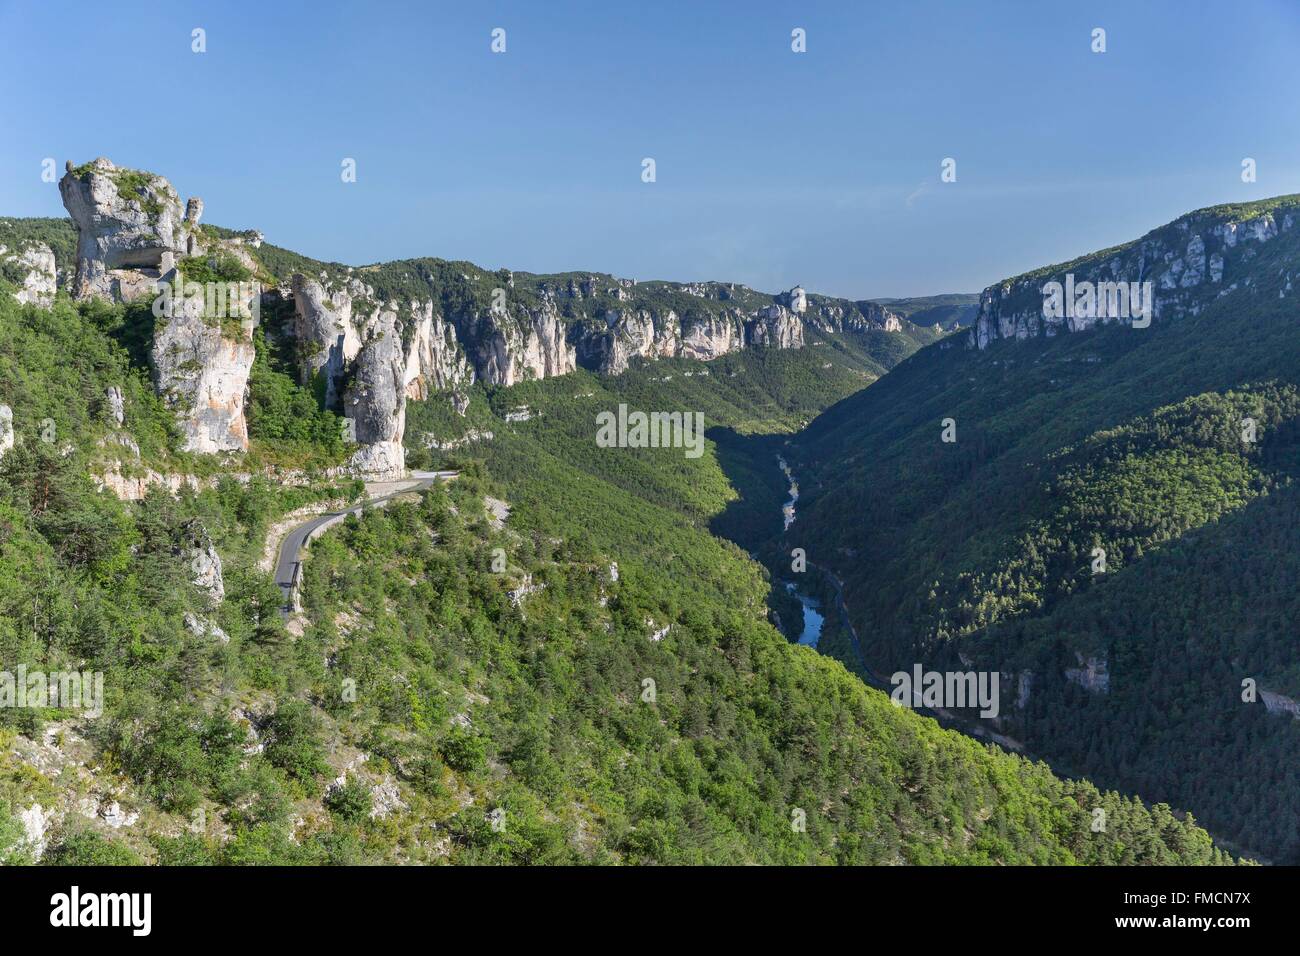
point(204, 561)
point(435, 360)
point(1177, 259)
point(776, 327)
point(116, 405)
point(6, 429)
point(1092, 674)
point(32, 265)
point(131, 229)
point(375, 402)
point(324, 328)
point(201, 367)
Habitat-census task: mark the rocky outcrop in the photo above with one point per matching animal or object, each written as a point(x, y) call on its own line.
point(6, 429)
point(1092, 674)
point(136, 486)
point(1024, 687)
point(200, 627)
point(116, 403)
point(131, 229)
point(375, 403)
point(633, 333)
point(201, 368)
point(1276, 703)
point(205, 563)
point(35, 820)
point(707, 337)
point(508, 347)
point(1189, 264)
point(835, 318)
point(31, 268)
point(450, 444)
point(356, 343)
point(776, 327)
point(434, 360)
point(328, 337)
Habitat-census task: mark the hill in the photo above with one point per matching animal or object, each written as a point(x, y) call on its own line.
point(1113, 528)
point(551, 660)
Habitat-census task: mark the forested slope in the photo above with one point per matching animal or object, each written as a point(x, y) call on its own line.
point(456, 690)
point(1169, 453)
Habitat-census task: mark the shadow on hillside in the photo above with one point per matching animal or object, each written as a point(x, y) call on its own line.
point(753, 520)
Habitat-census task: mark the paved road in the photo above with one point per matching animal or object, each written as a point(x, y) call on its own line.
point(288, 561)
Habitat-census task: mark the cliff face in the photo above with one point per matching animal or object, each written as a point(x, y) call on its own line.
point(132, 232)
point(1189, 263)
point(327, 336)
point(375, 403)
point(354, 340)
point(508, 346)
point(503, 329)
point(131, 228)
point(434, 361)
point(835, 318)
point(647, 334)
point(380, 335)
point(777, 328)
point(633, 333)
point(201, 370)
point(708, 337)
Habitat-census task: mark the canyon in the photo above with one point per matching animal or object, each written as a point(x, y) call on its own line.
point(375, 337)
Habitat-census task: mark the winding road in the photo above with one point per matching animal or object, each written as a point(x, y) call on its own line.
point(288, 560)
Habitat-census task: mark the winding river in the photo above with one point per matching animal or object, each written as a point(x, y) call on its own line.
point(812, 614)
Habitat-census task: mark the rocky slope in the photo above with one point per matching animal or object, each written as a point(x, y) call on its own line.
point(1110, 524)
point(30, 266)
point(376, 336)
point(459, 324)
point(1189, 263)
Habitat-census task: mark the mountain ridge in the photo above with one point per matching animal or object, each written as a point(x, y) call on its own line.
point(1136, 447)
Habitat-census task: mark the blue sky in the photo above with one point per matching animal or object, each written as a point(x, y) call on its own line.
point(772, 167)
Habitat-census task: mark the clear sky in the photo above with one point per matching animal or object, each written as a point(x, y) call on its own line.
point(772, 167)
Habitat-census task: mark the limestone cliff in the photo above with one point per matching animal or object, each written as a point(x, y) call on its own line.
point(378, 335)
point(375, 403)
point(709, 336)
point(132, 233)
point(131, 229)
point(1189, 263)
point(838, 317)
point(434, 360)
point(508, 346)
point(633, 332)
point(201, 369)
point(327, 336)
point(776, 327)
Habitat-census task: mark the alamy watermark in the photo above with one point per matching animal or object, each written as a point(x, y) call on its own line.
point(71, 690)
point(220, 300)
point(947, 689)
point(651, 430)
point(1100, 300)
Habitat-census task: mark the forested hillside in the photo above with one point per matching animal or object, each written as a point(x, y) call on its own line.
point(590, 680)
point(1113, 528)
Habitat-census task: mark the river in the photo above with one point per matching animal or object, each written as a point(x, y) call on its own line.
point(812, 609)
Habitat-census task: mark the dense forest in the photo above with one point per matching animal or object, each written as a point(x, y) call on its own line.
point(591, 679)
point(1122, 496)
